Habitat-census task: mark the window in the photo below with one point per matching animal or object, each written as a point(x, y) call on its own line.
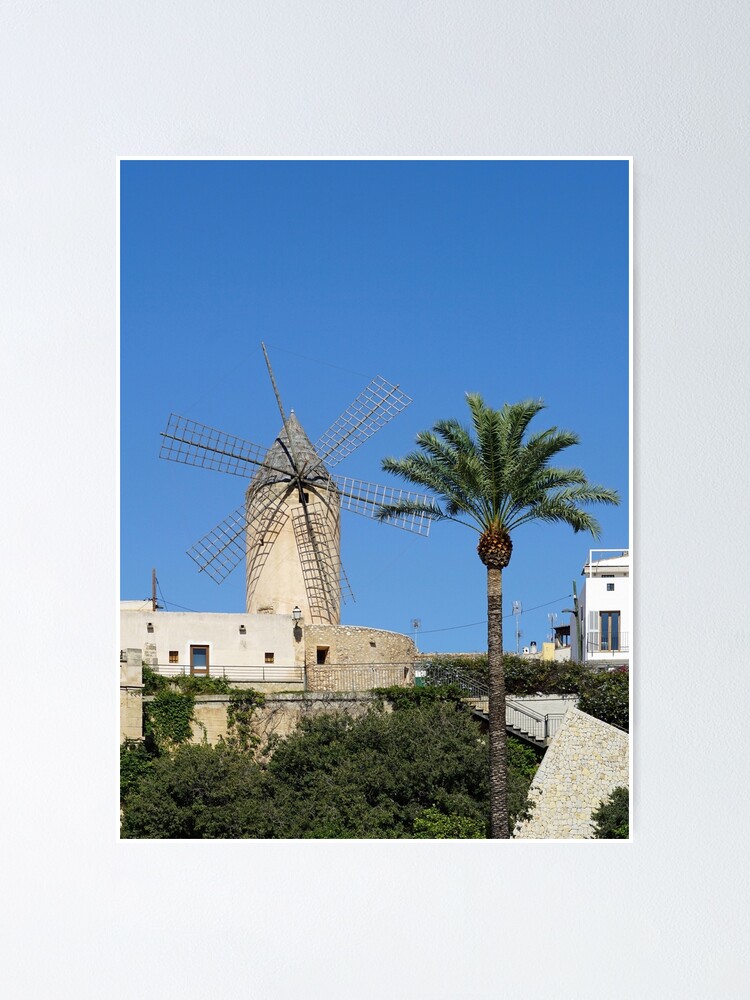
point(269, 657)
point(610, 630)
point(174, 656)
point(610, 586)
point(322, 654)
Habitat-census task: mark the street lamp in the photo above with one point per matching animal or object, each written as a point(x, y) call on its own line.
point(296, 615)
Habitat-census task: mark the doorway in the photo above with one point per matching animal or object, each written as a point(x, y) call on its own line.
point(199, 661)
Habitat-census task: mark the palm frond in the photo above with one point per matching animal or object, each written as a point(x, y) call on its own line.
point(496, 473)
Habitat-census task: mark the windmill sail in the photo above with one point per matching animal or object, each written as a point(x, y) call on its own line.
point(287, 529)
point(377, 404)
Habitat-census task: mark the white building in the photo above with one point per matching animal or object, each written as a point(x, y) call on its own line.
point(602, 632)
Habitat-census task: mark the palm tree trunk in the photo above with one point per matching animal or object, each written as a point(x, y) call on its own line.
point(498, 746)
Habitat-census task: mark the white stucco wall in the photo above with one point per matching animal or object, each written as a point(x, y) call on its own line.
point(175, 630)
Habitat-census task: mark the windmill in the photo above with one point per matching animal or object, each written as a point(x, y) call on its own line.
point(287, 528)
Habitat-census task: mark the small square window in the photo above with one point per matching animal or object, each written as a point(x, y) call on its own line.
point(610, 586)
point(269, 657)
point(174, 656)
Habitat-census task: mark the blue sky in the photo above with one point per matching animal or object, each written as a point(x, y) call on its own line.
point(507, 278)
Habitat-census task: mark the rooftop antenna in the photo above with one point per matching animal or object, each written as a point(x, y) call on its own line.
point(516, 610)
point(154, 604)
point(416, 625)
point(551, 618)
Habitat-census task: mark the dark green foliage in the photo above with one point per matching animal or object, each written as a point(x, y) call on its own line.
point(611, 819)
point(153, 682)
point(135, 762)
point(198, 792)
point(418, 770)
point(187, 683)
point(603, 694)
point(412, 697)
point(341, 777)
point(167, 720)
point(431, 824)
point(523, 762)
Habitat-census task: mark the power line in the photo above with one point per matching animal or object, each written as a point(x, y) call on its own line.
point(165, 602)
point(451, 628)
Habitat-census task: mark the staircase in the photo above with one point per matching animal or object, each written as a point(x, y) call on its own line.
point(521, 721)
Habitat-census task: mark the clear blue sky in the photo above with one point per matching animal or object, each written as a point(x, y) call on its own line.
point(507, 278)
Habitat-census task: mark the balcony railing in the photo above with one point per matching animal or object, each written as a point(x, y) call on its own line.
point(358, 676)
point(619, 644)
point(268, 672)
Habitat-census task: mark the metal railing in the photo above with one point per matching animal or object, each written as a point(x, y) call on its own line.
point(358, 676)
point(620, 644)
point(265, 672)
point(526, 721)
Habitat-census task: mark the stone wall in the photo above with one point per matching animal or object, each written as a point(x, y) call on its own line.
point(131, 695)
point(356, 658)
point(586, 760)
point(279, 716)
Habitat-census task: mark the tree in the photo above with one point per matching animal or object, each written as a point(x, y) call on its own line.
point(611, 818)
point(494, 477)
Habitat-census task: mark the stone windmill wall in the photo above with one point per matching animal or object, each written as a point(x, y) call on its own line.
point(293, 548)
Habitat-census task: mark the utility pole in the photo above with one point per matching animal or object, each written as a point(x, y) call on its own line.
point(154, 605)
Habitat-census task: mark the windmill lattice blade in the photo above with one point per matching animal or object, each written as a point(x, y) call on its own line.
point(313, 537)
point(378, 403)
point(218, 552)
point(368, 498)
point(192, 443)
point(347, 594)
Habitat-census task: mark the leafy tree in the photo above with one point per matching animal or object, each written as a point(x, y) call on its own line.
point(135, 762)
point(198, 792)
point(605, 696)
point(611, 818)
point(336, 776)
point(493, 477)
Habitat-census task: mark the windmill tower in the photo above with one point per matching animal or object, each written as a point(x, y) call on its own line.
point(288, 527)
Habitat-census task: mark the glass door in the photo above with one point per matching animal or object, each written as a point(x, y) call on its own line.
point(199, 661)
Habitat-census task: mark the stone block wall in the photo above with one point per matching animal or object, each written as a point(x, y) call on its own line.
point(131, 695)
point(357, 658)
point(279, 716)
point(586, 760)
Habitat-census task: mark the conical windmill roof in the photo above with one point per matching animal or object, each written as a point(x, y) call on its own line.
point(291, 441)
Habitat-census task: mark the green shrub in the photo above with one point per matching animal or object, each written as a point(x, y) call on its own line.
point(611, 818)
point(153, 682)
point(431, 824)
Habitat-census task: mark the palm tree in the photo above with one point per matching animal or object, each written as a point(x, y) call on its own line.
point(493, 480)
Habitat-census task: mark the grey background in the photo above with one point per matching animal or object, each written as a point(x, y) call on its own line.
point(86, 82)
